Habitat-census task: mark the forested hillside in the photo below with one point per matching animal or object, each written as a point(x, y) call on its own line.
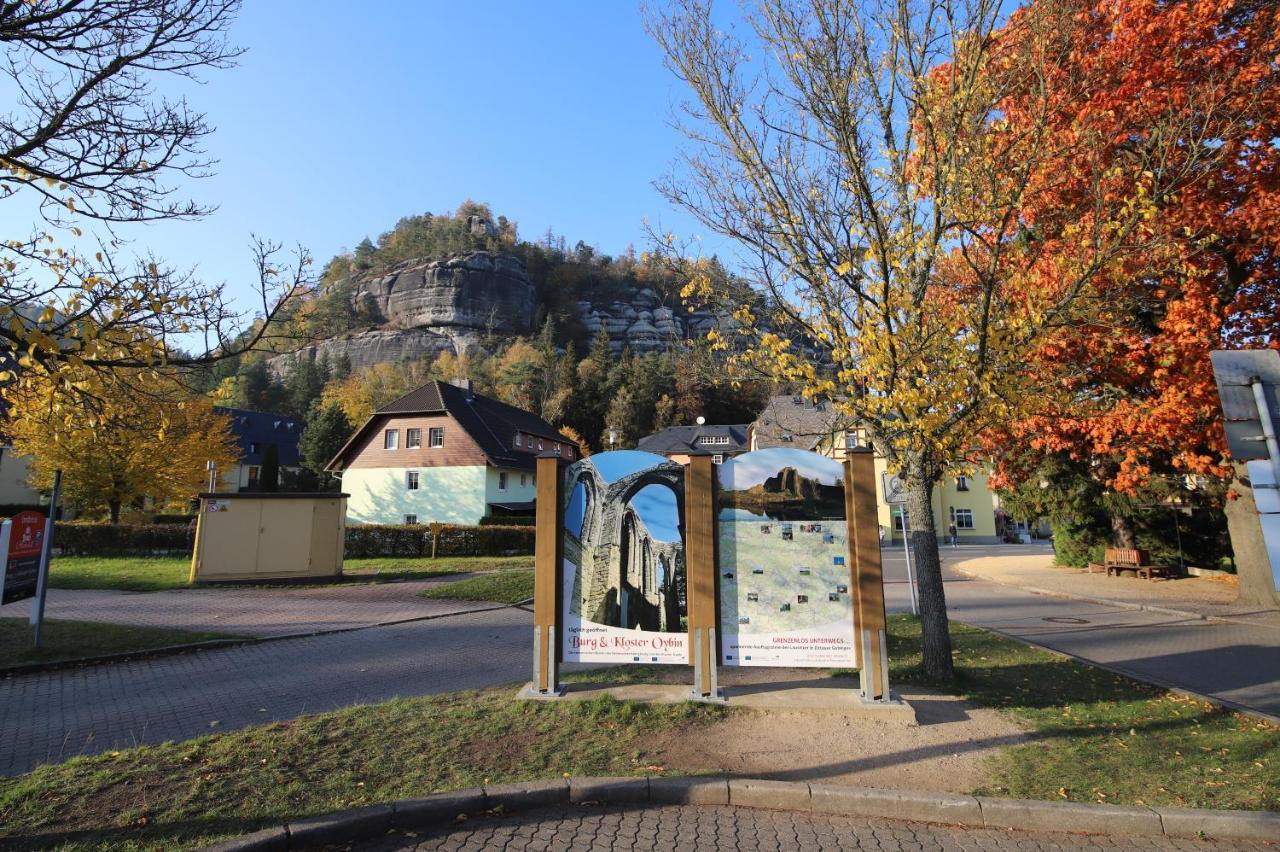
point(577, 377)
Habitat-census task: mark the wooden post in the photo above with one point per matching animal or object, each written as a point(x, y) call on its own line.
point(868, 578)
point(700, 573)
point(548, 568)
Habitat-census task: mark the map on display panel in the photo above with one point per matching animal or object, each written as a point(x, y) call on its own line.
point(784, 577)
point(624, 570)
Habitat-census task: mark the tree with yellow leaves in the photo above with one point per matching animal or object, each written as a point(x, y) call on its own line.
point(151, 438)
point(86, 140)
point(861, 155)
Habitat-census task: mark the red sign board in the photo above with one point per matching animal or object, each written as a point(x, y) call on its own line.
point(21, 567)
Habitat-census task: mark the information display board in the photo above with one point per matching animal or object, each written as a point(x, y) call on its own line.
point(20, 571)
point(784, 578)
point(625, 592)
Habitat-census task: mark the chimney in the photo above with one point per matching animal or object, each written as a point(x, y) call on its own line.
point(465, 384)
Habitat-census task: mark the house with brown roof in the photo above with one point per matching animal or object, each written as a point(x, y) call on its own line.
point(444, 453)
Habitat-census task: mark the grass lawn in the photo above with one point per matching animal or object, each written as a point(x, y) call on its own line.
point(1098, 737)
point(1101, 737)
point(143, 574)
point(188, 794)
point(66, 640)
point(500, 586)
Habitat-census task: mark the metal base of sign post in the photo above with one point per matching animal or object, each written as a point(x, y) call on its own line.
point(708, 673)
point(873, 677)
point(544, 661)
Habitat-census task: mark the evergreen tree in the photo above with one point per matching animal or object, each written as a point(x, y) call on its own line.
point(326, 430)
point(269, 478)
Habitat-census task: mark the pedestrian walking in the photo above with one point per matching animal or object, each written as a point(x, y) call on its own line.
point(951, 531)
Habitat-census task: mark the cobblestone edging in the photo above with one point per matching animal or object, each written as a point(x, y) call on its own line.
point(976, 812)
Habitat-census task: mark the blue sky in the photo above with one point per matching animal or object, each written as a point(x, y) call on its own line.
point(342, 118)
point(654, 503)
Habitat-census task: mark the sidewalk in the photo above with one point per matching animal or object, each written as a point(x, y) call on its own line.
point(1202, 597)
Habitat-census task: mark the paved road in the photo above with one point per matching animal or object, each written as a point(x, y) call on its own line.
point(283, 611)
point(748, 829)
point(55, 715)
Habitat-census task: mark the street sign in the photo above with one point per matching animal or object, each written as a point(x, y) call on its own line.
point(1233, 371)
point(895, 490)
point(20, 569)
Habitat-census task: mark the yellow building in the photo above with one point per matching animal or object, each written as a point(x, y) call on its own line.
point(965, 500)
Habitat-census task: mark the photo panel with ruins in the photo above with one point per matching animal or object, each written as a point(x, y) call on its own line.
point(624, 569)
point(784, 577)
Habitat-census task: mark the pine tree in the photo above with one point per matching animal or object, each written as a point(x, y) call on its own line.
point(326, 430)
point(269, 478)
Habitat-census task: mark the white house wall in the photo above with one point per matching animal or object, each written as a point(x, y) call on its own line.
point(451, 495)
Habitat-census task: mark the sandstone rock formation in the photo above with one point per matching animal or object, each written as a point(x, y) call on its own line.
point(425, 307)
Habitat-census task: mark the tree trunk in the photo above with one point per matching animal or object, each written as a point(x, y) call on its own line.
point(1122, 531)
point(924, 551)
point(114, 506)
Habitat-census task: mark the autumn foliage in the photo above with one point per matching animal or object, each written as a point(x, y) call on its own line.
point(1139, 394)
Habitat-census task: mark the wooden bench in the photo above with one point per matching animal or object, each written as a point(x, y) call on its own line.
point(1117, 559)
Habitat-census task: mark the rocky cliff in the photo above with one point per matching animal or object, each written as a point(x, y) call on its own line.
point(421, 308)
point(424, 307)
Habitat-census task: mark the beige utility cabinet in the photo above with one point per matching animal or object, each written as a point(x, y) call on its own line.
point(269, 536)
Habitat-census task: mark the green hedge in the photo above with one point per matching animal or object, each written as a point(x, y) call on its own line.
point(508, 521)
point(455, 540)
point(76, 539)
point(72, 539)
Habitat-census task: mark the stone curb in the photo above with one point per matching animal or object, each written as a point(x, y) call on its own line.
point(219, 644)
point(942, 808)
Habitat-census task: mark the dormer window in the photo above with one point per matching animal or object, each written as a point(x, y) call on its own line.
point(713, 439)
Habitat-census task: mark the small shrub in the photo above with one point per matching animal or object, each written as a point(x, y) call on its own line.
point(508, 521)
point(370, 540)
point(81, 539)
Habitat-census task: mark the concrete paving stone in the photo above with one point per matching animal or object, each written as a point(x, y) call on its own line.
point(267, 840)
point(1254, 825)
point(523, 795)
point(371, 821)
point(895, 804)
point(1077, 816)
point(442, 807)
point(779, 795)
point(689, 791)
point(612, 790)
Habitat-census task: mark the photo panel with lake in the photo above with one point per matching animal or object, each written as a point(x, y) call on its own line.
point(624, 567)
point(781, 515)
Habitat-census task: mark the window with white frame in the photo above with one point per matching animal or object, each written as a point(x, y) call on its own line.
point(539, 443)
point(502, 480)
point(557, 449)
point(964, 519)
point(519, 440)
point(410, 519)
point(713, 439)
point(412, 439)
point(962, 483)
point(717, 459)
point(435, 437)
point(391, 439)
point(411, 480)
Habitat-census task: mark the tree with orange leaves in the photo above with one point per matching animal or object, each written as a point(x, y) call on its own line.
point(1140, 400)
